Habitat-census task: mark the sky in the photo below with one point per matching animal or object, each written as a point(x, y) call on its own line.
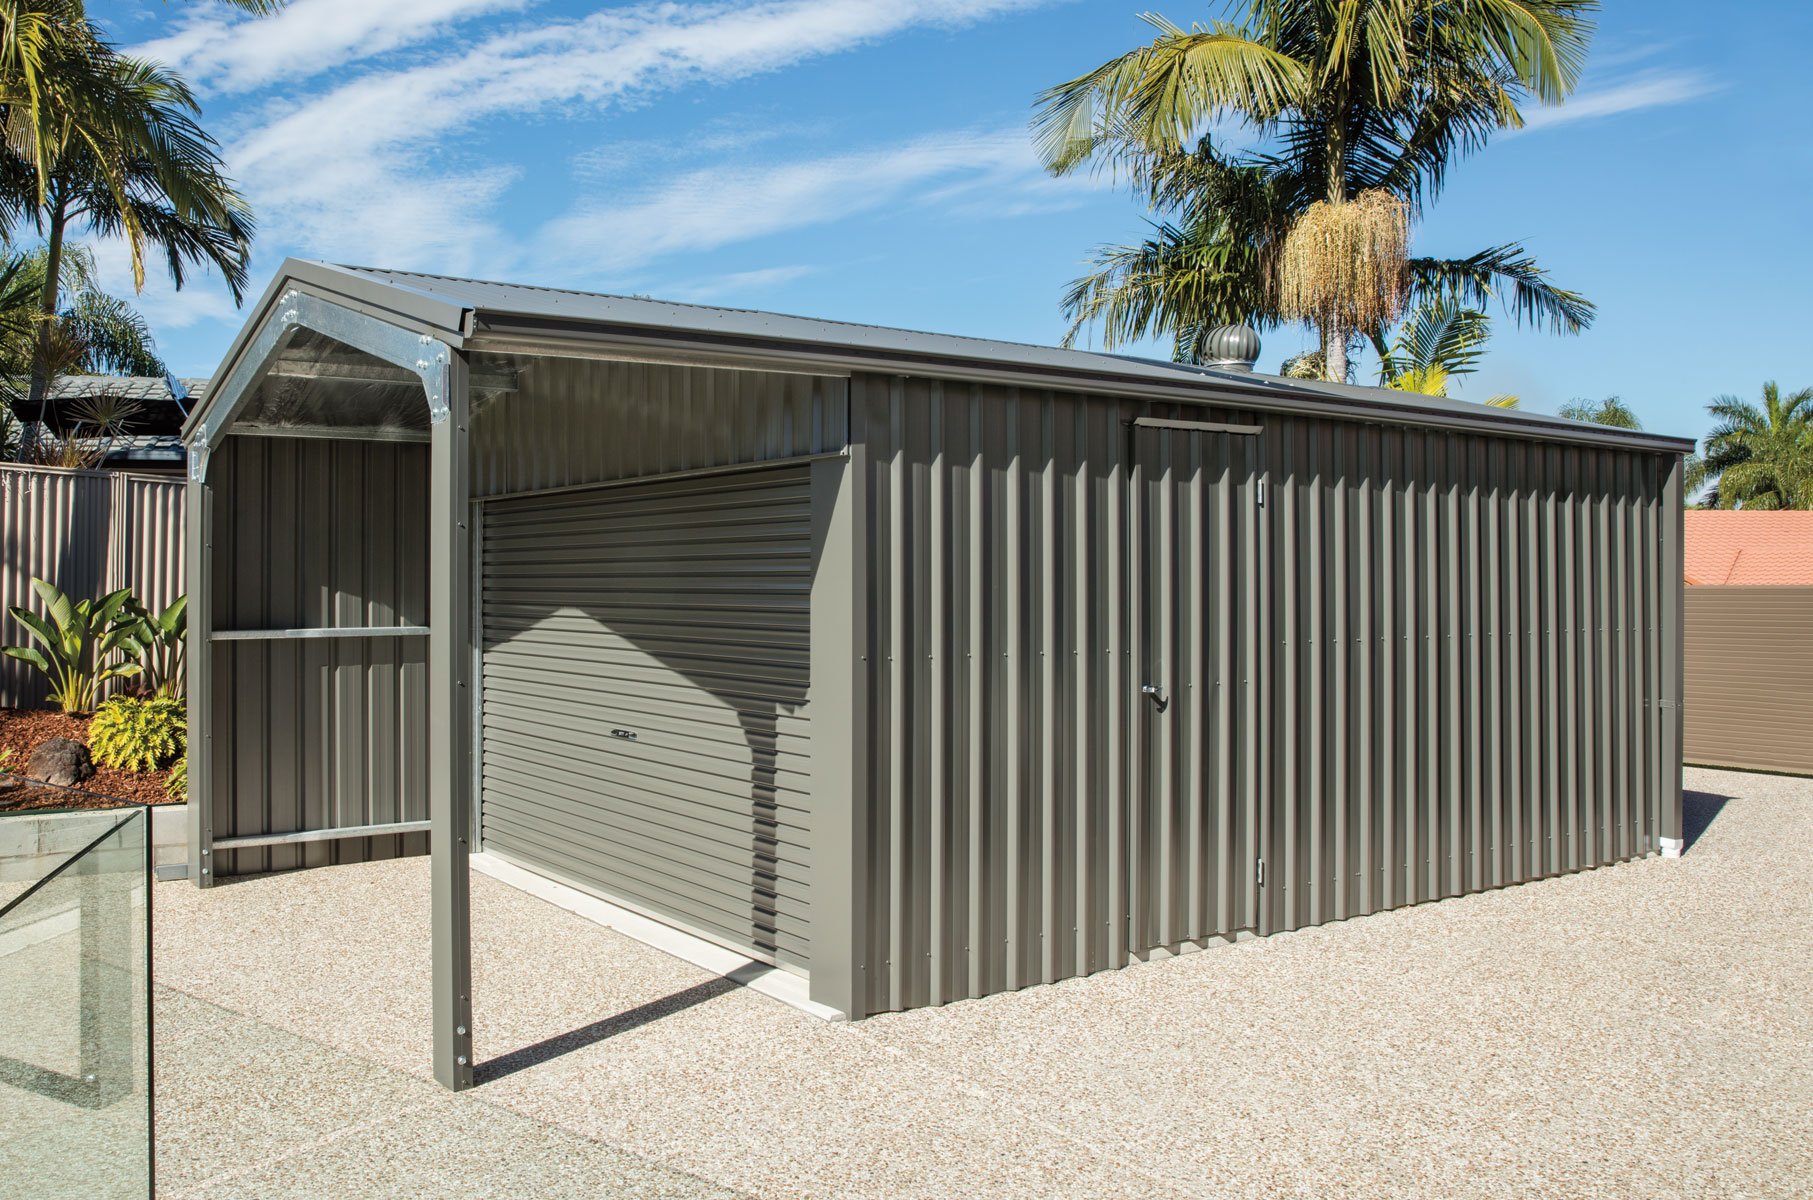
point(869, 160)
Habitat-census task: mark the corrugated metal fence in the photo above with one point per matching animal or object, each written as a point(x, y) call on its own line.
point(88, 532)
point(1749, 677)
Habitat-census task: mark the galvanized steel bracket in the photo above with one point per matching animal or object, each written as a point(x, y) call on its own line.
point(431, 367)
point(424, 355)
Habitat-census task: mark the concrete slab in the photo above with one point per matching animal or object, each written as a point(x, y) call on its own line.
point(455, 1147)
point(1639, 1030)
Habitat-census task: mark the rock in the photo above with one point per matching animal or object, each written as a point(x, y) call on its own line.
point(61, 762)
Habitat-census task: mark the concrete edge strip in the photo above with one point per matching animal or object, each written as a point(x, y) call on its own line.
point(769, 981)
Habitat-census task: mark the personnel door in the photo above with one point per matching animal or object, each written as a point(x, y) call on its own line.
point(1193, 830)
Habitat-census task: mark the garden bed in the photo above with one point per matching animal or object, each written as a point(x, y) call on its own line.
point(22, 730)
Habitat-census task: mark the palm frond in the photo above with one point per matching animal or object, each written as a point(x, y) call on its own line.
point(1509, 274)
point(1161, 94)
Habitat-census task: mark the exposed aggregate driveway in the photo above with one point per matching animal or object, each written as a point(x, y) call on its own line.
point(1640, 1030)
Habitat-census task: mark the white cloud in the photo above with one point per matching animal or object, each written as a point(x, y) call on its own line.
point(1653, 89)
point(366, 171)
point(741, 284)
point(221, 51)
point(709, 208)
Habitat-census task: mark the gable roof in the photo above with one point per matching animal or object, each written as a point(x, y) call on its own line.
point(1733, 548)
point(483, 315)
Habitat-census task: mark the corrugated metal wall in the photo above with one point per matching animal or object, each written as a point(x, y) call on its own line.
point(1466, 676)
point(318, 733)
point(1749, 674)
point(645, 672)
point(576, 421)
point(1457, 651)
point(89, 533)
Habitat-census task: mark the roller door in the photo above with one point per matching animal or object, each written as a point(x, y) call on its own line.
point(644, 725)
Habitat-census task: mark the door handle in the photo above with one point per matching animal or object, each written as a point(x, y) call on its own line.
point(1155, 692)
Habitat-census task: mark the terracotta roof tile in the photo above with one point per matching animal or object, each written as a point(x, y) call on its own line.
point(1750, 549)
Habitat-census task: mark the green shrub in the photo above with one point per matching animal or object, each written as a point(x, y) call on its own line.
point(178, 783)
point(156, 640)
point(75, 641)
point(138, 734)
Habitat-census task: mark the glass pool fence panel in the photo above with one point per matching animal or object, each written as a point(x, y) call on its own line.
point(75, 1019)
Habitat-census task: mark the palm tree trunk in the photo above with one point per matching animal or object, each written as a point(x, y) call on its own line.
point(1334, 341)
point(1334, 355)
point(37, 399)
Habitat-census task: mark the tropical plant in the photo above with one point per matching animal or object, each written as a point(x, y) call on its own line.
point(137, 733)
point(74, 641)
point(59, 87)
point(1438, 342)
point(94, 334)
point(1758, 457)
point(1361, 107)
point(100, 333)
point(157, 641)
point(1610, 411)
point(177, 785)
point(114, 150)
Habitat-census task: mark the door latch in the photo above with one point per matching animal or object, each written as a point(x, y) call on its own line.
point(1155, 692)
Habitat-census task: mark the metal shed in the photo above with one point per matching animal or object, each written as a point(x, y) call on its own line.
point(922, 666)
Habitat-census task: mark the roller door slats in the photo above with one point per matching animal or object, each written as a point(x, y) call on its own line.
point(620, 839)
point(637, 881)
point(583, 758)
point(677, 611)
point(653, 725)
point(653, 785)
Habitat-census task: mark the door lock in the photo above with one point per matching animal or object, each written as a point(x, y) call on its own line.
point(1155, 692)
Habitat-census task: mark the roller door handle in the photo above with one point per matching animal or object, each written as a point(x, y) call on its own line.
point(1155, 692)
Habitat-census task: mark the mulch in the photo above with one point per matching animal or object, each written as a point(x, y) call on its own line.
point(23, 729)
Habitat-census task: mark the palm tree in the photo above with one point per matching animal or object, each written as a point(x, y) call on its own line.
point(1357, 100)
point(95, 333)
point(1438, 342)
point(1758, 457)
point(175, 198)
point(58, 89)
point(1610, 411)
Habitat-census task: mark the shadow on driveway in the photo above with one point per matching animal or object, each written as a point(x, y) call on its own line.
point(598, 1031)
point(1698, 811)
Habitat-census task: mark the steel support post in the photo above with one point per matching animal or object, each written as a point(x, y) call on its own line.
point(449, 717)
point(199, 670)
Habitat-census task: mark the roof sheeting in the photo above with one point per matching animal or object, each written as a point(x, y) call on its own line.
point(1749, 549)
point(475, 311)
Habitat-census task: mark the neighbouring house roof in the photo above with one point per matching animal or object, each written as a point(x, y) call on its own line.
point(480, 315)
point(1749, 549)
point(167, 401)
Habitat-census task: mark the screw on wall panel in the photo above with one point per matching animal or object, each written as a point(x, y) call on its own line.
point(460, 1030)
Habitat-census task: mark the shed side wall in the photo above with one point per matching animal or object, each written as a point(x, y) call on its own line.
point(1464, 673)
point(1749, 674)
point(318, 733)
point(1468, 682)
